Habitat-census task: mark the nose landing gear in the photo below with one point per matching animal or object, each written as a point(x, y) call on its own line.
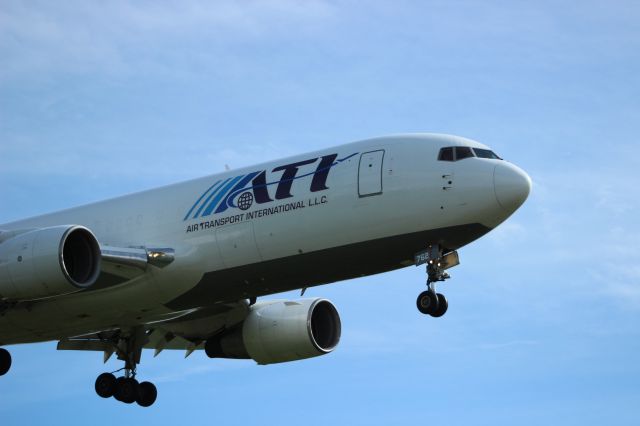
point(430, 302)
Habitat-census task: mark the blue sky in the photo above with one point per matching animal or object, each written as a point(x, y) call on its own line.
point(105, 98)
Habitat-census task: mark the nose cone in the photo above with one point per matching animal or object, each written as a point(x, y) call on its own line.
point(512, 186)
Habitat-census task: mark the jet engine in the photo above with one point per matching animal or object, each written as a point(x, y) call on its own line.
point(48, 262)
point(280, 331)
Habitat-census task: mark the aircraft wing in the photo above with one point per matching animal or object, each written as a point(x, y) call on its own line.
point(188, 332)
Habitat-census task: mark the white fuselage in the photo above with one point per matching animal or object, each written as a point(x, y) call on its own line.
point(286, 227)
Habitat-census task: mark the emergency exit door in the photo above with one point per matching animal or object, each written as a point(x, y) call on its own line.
point(370, 173)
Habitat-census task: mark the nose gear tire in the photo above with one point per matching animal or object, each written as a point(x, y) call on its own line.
point(443, 305)
point(427, 302)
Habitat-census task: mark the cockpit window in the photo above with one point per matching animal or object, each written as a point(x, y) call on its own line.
point(486, 153)
point(457, 153)
point(446, 154)
point(463, 152)
point(454, 153)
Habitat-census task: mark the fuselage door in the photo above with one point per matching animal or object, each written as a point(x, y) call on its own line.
point(237, 244)
point(370, 173)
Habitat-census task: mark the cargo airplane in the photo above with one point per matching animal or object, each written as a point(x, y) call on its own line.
point(186, 266)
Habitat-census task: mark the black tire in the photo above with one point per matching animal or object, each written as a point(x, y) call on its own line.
point(106, 385)
point(147, 394)
point(5, 361)
point(126, 390)
point(427, 302)
point(116, 386)
point(443, 305)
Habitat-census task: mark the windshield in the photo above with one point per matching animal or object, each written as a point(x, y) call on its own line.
point(456, 153)
point(486, 153)
point(463, 152)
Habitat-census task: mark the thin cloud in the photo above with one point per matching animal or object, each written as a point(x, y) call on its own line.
point(78, 37)
point(589, 228)
point(508, 233)
point(508, 344)
point(205, 367)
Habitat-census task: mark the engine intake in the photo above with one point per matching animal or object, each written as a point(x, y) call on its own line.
point(48, 262)
point(281, 331)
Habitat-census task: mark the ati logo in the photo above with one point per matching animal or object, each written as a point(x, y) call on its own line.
point(242, 191)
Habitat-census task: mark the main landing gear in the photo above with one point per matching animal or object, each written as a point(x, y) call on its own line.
point(126, 388)
point(430, 302)
point(5, 361)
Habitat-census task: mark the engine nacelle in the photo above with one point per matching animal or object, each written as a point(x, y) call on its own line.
point(48, 262)
point(281, 331)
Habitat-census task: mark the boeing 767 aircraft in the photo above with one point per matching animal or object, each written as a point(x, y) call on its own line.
point(184, 266)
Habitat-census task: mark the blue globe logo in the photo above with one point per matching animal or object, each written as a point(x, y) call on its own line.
point(245, 200)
